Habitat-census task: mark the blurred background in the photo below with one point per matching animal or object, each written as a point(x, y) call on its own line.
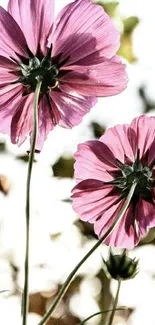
point(58, 238)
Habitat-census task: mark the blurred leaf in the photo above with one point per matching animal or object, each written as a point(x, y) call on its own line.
point(98, 129)
point(55, 236)
point(57, 322)
point(86, 228)
point(64, 167)
point(24, 158)
point(149, 238)
point(4, 184)
point(109, 7)
point(2, 146)
point(67, 200)
point(125, 49)
point(148, 104)
point(129, 24)
point(74, 287)
point(37, 304)
point(105, 299)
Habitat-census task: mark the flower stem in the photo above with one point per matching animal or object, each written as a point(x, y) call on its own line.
point(115, 303)
point(66, 284)
point(100, 313)
point(25, 300)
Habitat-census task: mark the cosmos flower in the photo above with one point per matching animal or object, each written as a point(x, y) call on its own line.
point(74, 54)
point(105, 170)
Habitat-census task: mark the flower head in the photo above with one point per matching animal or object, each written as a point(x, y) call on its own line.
point(105, 171)
point(74, 55)
point(120, 266)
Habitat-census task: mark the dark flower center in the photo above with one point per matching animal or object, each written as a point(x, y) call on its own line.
point(42, 68)
point(136, 172)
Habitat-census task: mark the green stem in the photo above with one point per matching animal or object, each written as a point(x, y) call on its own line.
point(25, 300)
point(99, 313)
point(66, 284)
point(115, 303)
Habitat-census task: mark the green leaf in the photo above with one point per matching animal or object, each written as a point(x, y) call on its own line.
point(2, 146)
point(98, 129)
point(24, 158)
point(109, 7)
point(64, 167)
point(129, 24)
point(125, 49)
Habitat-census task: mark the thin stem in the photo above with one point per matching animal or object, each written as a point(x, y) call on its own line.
point(115, 303)
point(100, 313)
point(66, 284)
point(25, 300)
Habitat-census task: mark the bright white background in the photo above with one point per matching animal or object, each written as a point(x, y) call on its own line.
point(51, 216)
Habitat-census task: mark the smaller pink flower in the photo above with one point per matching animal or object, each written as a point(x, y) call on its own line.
point(105, 170)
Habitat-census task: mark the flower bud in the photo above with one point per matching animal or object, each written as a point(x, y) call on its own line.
point(121, 266)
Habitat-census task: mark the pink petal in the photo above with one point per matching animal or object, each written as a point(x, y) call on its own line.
point(82, 28)
point(151, 155)
point(21, 124)
point(7, 64)
point(45, 124)
point(10, 96)
point(122, 141)
point(131, 228)
point(124, 234)
point(71, 106)
point(145, 216)
point(8, 71)
point(94, 160)
point(106, 79)
point(35, 17)
point(10, 44)
point(95, 59)
point(144, 127)
point(90, 198)
point(22, 121)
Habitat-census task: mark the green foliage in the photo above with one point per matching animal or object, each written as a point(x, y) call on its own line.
point(129, 24)
point(109, 7)
point(2, 146)
point(64, 167)
point(147, 103)
point(125, 49)
point(98, 129)
point(24, 158)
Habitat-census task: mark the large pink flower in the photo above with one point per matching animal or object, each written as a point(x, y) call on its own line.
point(74, 54)
point(105, 170)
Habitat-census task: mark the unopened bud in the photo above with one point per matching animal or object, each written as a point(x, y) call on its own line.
point(121, 266)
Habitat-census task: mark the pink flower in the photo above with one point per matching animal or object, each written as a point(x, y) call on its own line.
point(105, 170)
point(74, 54)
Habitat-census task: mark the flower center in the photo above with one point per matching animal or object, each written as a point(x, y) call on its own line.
point(43, 69)
point(136, 172)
